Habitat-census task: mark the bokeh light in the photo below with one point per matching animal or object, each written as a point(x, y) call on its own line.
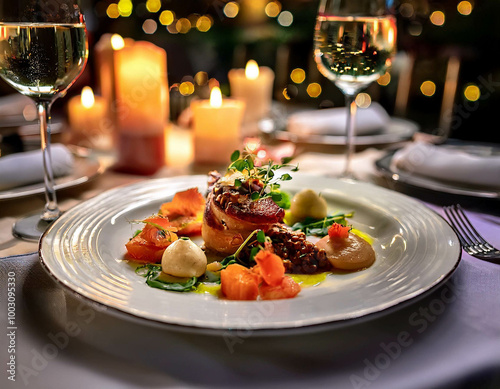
point(112, 11)
point(153, 6)
point(183, 25)
point(363, 100)
point(201, 78)
point(149, 26)
point(428, 88)
point(273, 9)
point(167, 17)
point(437, 18)
point(298, 75)
point(186, 88)
point(314, 89)
point(406, 10)
point(285, 19)
point(290, 91)
point(204, 23)
point(172, 28)
point(385, 79)
point(125, 8)
point(415, 28)
point(464, 8)
point(472, 92)
point(231, 9)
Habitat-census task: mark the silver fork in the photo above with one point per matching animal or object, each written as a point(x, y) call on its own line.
point(471, 240)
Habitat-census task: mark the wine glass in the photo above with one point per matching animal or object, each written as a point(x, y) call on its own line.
point(354, 43)
point(43, 50)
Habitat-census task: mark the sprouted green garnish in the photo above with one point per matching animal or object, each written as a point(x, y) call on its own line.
point(266, 174)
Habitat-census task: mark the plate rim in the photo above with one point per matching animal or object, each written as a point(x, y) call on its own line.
point(267, 331)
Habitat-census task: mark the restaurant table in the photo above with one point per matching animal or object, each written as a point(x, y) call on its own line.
point(446, 338)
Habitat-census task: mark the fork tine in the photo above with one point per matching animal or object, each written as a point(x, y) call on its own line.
point(467, 223)
point(471, 241)
point(450, 213)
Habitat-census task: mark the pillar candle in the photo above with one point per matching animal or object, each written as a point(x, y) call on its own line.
point(217, 124)
point(87, 116)
point(141, 92)
point(253, 85)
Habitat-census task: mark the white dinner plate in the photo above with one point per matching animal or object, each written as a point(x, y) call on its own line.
point(397, 130)
point(385, 166)
point(415, 248)
point(85, 169)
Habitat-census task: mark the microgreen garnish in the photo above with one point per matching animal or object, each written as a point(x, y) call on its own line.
point(265, 174)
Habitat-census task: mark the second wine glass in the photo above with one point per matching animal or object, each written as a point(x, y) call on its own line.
point(43, 50)
point(354, 43)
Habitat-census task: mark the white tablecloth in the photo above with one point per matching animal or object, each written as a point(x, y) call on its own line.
point(448, 339)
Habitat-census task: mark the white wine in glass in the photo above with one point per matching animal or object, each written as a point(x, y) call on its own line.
point(43, 50)
point(354, 43)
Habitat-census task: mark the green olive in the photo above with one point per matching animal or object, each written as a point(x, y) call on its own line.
point(307, 203)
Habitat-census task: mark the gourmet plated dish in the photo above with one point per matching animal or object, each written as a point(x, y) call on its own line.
point(245, 238)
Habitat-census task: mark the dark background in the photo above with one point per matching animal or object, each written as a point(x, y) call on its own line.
point(473, 38)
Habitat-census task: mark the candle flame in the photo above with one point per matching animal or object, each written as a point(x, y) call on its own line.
point(87, 97)
point(117, 42)
point(252, 70)
point(391, 36)
point(215, 97)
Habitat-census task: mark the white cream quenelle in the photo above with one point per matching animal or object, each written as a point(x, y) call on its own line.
point(184, 258)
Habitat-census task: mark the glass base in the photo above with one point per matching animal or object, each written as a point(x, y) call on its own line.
point(30, 227)
point(348, 176)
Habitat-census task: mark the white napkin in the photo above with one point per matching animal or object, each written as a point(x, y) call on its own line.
point(448, 164)
point(14, 104)
point(27, 167)
point(332, 121)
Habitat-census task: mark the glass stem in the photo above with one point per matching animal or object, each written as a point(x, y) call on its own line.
point(350, 133)
point(51, 209)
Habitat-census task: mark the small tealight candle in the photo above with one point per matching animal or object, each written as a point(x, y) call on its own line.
point(253, 85)
point(217, 124)
point(87, 118)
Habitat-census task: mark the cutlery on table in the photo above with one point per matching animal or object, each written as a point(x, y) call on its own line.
point(471, 240)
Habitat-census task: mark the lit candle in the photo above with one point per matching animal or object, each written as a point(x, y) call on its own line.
point(104, 57)
point(88, 122)
point(141, 92)
point(253, 85)
point(217, 124)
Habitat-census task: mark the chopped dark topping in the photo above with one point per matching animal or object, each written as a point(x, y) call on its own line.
point(299, 255)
